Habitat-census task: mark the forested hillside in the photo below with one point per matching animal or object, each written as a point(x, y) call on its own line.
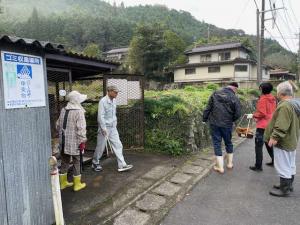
point(79, 23)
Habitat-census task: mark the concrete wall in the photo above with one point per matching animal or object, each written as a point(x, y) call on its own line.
point(25, 190)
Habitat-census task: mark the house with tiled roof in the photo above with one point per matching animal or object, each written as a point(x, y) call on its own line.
point(219, 62)
point(117, 54)
point(282, 74)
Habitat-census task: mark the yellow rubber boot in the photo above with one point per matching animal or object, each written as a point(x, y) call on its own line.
point(77, 183)
point(63, 180)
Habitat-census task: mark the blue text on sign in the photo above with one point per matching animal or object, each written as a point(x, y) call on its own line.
point(21, 58)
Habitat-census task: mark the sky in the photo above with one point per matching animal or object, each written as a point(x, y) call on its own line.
point(239, 14)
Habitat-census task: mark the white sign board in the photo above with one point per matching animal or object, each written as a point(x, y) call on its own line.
point(23, 80)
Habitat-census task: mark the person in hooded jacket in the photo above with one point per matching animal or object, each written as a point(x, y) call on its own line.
point(222, 110)
point(72, 139)
point(265, 108)
point(283, 133)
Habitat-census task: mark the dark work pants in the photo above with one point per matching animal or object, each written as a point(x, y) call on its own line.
point(219, 133)
point(65, 162)
point(259, 144)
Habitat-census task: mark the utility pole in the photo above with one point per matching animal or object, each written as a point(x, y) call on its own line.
point(261, 42)
point(1, 8)
point(261, 37)
point(208, 32)
point(298, 61)
point(258, 46)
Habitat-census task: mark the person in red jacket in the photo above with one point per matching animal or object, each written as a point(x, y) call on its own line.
point(265, 107)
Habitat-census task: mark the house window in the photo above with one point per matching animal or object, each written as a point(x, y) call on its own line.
point(241, 68)
point(224, 56)
point(190, 71)
point(205, 58)
point(214, 69)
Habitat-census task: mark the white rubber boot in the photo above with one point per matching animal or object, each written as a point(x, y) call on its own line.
point(229, 160)
point(219, 167)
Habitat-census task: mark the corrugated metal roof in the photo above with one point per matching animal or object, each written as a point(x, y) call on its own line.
point(32, 42)
point(215, 47)
point(50, 47)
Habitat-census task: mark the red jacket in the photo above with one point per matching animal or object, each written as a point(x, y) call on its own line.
point(265, 107)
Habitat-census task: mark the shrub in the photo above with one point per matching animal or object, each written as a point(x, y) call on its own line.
point(254, 92)
point(242, 92)
point(212, 86)
point(162, 141)
point(190, 88)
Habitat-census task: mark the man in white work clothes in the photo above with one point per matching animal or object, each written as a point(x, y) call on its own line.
point(107, 129)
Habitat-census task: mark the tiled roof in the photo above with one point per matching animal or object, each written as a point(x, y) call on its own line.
point(281, 71)
point(215, 47)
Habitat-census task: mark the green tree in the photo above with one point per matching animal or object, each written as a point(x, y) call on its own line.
point(175, 46)
point(92, 50)
point(148, 54)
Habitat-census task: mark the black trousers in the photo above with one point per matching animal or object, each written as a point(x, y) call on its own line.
point(259, 144)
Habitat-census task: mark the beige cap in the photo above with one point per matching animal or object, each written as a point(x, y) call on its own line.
point(76, 97)
point(113, 88)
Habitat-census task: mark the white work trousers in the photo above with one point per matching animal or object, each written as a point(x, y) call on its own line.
point(285, 162)
point(117, 146)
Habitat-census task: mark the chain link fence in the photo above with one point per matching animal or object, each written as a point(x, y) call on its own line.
point(130, 111)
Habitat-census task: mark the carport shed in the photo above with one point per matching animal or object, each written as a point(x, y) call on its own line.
point(25, 136)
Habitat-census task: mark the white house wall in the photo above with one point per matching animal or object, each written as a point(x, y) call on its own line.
point(243, 55)
point(215, 56)
point(226, 72)
point(194, 59)
point(253, 72)
point(242, 75)
point(265, 74)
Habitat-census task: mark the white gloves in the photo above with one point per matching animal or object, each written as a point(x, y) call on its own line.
point(249, 116)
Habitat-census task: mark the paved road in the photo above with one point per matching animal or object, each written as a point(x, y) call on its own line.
point(239, 197)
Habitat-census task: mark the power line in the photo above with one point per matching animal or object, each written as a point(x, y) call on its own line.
point(290, 32)
point(277, 27)
point(288, 14)
point(287, 17)
point(256, 4)
point(295, 38)
point(288, 28)
point(242, 12)
point(270, 34)
point(296, 19)
point(282, 36)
